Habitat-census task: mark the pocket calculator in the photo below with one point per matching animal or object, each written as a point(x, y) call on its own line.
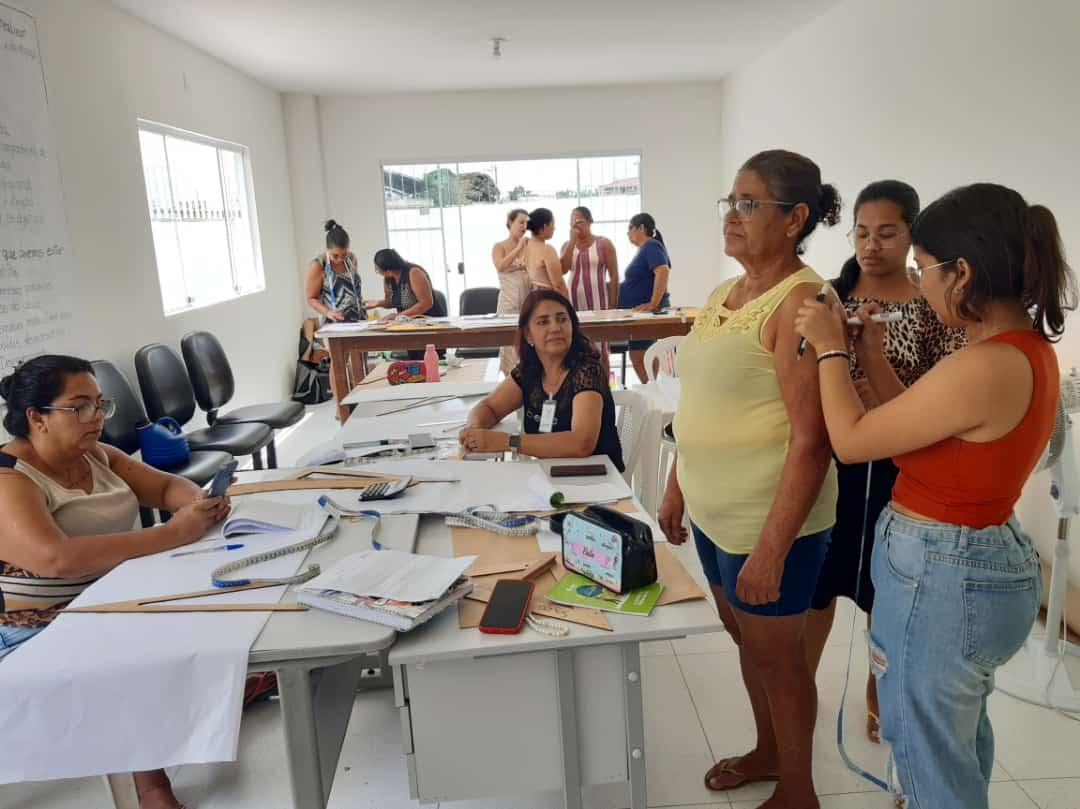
point(384, 490)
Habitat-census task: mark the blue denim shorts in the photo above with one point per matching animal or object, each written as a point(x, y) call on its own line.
point(797, 585)
point(12, 636)
point(952, 604)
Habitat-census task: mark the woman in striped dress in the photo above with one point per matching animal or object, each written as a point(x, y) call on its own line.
point(593, 268)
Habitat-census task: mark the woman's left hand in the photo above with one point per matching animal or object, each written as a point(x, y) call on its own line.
point(475, 439)
point(644, 307)
point(822, 324)
point(390, 318)
point(759, 579)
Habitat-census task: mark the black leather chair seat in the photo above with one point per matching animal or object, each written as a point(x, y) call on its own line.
point(276, 415)
point(236, 439)
point(201, 466)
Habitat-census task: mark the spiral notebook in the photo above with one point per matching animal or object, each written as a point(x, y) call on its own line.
point(399, 615)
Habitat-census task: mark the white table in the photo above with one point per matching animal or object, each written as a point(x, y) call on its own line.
point(491, 716)
point(319, 658)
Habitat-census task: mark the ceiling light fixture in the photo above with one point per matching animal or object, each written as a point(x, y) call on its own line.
point(496, 47)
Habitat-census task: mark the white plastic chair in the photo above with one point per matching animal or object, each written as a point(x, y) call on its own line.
point(662, 354)
point(639, 435)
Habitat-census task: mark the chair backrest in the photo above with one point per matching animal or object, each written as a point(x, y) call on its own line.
point(631, 422)
point(661, 354)
point(479, 301)
point(209, 371)
point(120, 429)
point(166, 390)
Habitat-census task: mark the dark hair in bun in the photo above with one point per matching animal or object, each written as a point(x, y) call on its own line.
point(336, 235)
point(796, 180)
point(540, 219)
point(36, 384)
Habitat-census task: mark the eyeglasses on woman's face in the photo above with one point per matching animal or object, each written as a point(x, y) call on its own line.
point(745, 206)
point(87, 411)
point(861, 238)
point(915, 272)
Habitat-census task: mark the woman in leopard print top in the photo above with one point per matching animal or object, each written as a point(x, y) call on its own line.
point(875, 278)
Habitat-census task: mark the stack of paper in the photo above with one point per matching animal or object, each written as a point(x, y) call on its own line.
point(575, 590)
point(393, 588)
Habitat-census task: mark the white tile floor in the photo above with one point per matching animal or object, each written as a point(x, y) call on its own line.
point(695, 712)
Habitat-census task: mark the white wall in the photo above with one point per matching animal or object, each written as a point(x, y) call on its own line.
point(104, 69)
point(938, 94)
point(675, 127)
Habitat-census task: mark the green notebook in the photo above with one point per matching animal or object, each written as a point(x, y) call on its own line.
point(575, 590)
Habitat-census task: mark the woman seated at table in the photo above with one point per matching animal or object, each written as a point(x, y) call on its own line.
point(569, 411)
point(406, 288)
point(58, 484)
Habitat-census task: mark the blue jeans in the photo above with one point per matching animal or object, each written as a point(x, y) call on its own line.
point(952, 604)
point(12, 636)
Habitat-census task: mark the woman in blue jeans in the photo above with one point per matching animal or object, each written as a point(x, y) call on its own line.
point(957, 582)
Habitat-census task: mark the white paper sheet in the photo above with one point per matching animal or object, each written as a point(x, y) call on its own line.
point(96, 694)
point(418, 390)
point(392, 574)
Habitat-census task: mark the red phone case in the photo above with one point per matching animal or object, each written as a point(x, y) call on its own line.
point(506, 630)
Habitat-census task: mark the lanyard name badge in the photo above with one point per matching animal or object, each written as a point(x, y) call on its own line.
point(547, 414)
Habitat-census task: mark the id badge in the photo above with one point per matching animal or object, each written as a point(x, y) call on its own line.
point(547, 416)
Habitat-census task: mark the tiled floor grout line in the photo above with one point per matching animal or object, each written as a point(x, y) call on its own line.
point(701, 723)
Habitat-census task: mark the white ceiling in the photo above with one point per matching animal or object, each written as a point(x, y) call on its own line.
point(367, 46)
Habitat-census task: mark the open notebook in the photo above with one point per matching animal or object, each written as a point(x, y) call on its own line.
point(260, 516)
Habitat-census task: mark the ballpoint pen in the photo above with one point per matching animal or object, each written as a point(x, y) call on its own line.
point(820, 298)
point(209, 550)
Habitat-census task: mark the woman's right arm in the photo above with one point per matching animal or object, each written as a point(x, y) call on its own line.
point(673, 508)
point(496, 406)
point(503, 258)
point(31, 539)
point(313, 286)
point(386, 300)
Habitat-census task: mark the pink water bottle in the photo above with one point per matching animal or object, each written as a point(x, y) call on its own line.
point(431, 363)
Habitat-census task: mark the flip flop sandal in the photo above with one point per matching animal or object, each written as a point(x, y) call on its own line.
point(259, 687)
point(873, 727)
point(720, 768)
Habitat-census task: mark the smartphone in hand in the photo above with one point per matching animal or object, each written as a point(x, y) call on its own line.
point(222, 478)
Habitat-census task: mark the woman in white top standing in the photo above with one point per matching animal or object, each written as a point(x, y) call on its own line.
point(541, 260)
point(593, 267)
point(514, 285)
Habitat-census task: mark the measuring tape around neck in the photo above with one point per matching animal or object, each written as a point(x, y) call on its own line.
point(219, 574)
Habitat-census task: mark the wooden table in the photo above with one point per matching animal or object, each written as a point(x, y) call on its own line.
point(456, 332)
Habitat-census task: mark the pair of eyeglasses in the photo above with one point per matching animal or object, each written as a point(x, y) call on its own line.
point(857, 238)
point(87, 411)
point(745, 206)
point(915, 273)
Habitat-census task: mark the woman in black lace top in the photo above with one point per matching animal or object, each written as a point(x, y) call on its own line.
point(569, 411)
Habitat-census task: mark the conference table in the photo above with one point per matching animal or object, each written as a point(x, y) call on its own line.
point(356, 340)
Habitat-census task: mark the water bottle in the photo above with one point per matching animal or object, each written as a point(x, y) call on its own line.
point(431, 363)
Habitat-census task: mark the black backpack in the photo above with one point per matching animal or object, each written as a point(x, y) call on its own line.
point(312, 383)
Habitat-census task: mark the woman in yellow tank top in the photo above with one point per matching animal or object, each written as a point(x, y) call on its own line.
point(754, 468)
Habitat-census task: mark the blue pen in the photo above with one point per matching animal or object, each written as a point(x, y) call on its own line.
point(209, 550)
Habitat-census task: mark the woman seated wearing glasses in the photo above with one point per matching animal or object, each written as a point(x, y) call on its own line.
point(569, 410)
point(874, 280)
point(754, 468)
point(58, 484)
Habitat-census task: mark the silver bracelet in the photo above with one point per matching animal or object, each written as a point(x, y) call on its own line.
point(830, 354)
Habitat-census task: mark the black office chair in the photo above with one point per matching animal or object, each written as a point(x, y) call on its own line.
point(166, 391)
point(119, 431)
point(212, 380)
point(479, 301)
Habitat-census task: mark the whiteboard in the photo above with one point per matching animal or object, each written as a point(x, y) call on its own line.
point(35, 254)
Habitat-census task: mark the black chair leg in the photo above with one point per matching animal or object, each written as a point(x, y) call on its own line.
point(271, 455)
point(625, 356)
point(256, 459)
point(146, 516)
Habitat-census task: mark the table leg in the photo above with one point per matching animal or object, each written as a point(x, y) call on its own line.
point(315, 710)
point(635, 725)
point(568, 728)
point(339, 374)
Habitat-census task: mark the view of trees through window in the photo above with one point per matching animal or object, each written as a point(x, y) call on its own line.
point(447, 216)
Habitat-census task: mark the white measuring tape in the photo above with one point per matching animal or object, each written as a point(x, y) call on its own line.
point(545, 627)
point(488, 518)
point(219, 574)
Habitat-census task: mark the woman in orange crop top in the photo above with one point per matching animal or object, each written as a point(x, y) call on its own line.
point(957, 581)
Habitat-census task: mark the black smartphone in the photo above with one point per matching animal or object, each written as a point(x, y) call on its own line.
point(505, 612)
point(585, 470)
point(222, 478)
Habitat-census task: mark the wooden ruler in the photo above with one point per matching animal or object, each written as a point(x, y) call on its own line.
point(156, 605)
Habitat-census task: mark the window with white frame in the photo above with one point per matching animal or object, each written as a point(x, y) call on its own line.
point(202, 214)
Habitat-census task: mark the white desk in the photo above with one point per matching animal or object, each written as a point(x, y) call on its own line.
point(319, 658)
point(492, 716)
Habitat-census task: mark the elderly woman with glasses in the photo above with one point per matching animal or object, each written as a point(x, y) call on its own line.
point(754, 469)
point(68, 506)
point(874, 281)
